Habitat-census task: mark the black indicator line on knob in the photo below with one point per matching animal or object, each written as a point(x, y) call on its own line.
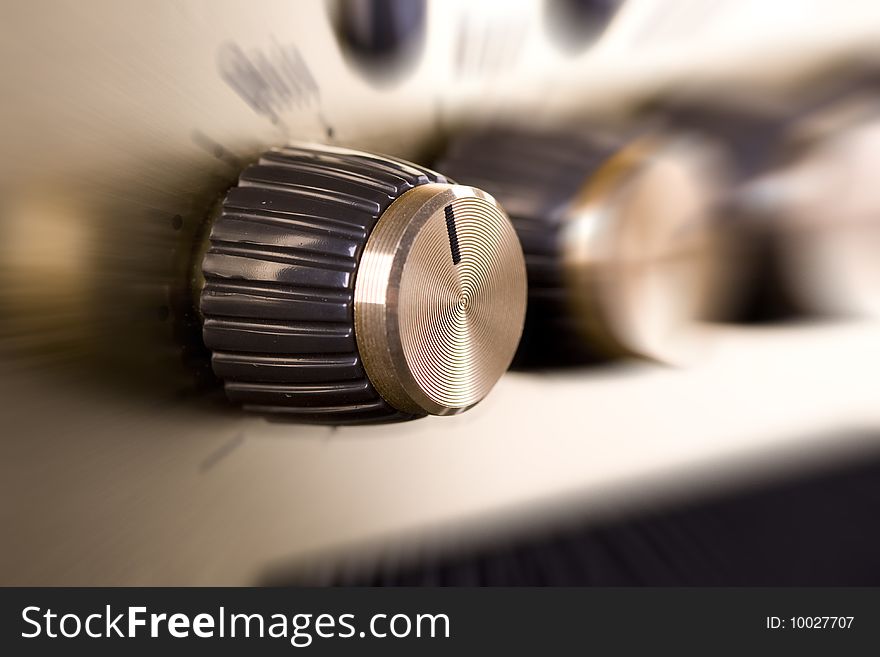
point(453, 236)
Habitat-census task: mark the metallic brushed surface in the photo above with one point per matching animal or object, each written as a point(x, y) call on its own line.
point(640, 250)
point(434, 334)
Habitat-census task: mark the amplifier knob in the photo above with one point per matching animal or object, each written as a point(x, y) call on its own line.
point(343, 287)
point(618, 235)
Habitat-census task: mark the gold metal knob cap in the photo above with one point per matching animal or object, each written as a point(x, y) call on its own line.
point(640, 250)
point(440, 299)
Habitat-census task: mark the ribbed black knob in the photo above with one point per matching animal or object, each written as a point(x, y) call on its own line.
point(283, 283)
point(615, 232)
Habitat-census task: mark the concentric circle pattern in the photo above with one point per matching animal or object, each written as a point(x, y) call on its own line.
point(455, 302)
point(460, 324)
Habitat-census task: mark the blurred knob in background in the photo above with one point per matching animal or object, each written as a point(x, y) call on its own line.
point(617, 235)
point(576, 24)
point(829, 201)
point(381, 37)
point(747, 131)
point(343, 287)
point(802, 216)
